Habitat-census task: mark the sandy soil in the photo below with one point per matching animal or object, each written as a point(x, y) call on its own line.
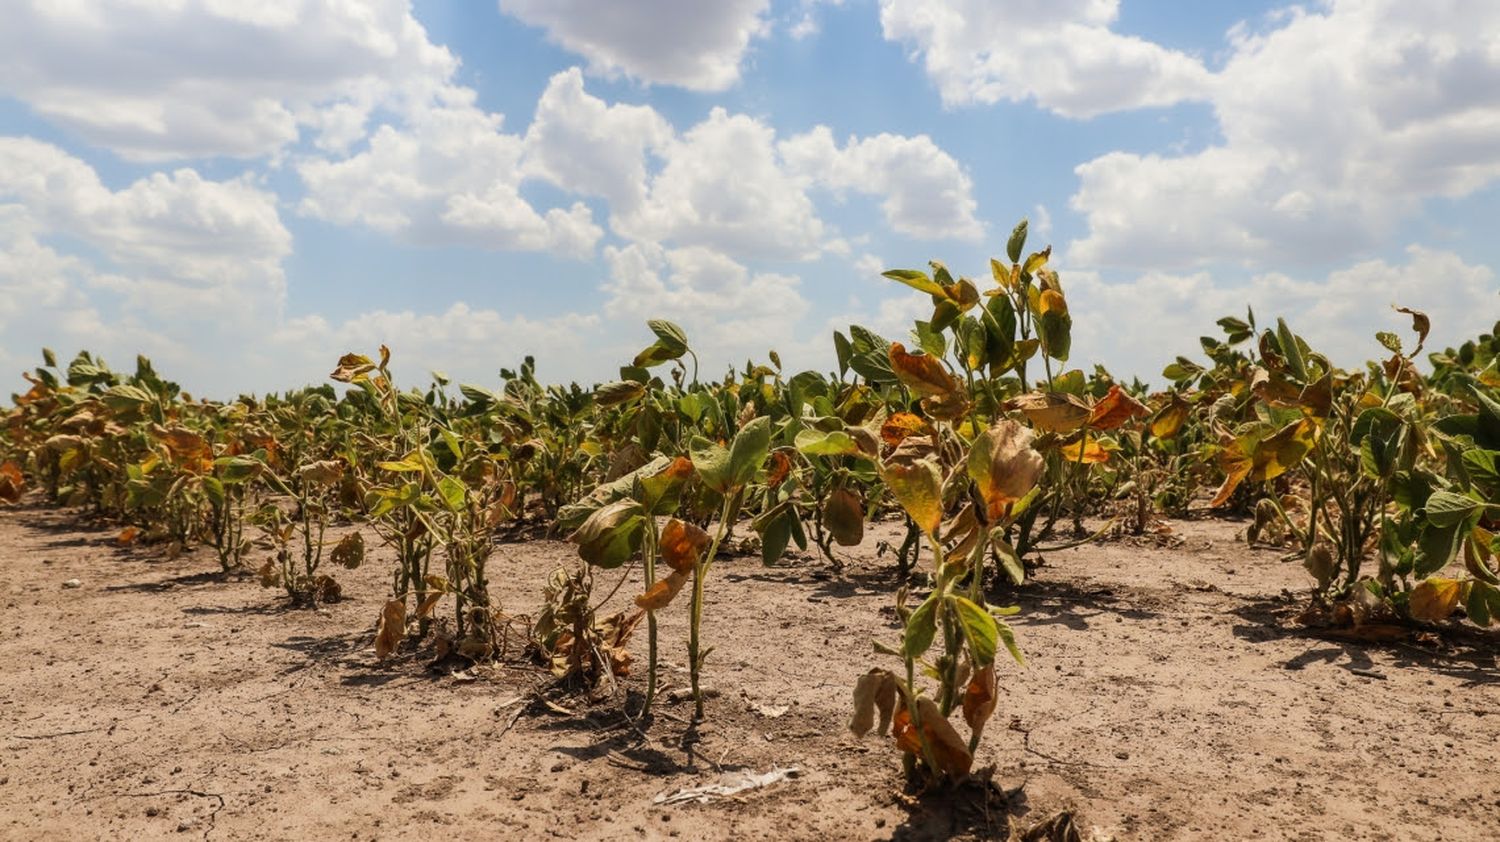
point(1168, 696)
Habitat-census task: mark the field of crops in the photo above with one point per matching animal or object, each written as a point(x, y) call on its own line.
point(953, 588)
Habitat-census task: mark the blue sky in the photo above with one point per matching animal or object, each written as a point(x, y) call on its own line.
point(246, 191)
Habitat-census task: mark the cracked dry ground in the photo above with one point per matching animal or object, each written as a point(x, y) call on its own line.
point(1167, 696)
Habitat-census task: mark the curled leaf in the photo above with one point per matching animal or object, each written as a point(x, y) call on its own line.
point(683, 545)
point(948, 750)
point(1053, 412)
point(980, 698)
point(391, 629)
point(874, 693)
point(660, 594)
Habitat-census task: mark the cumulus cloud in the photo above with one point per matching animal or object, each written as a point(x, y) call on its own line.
point(729, 312)
point(687, 43)
point(1137, 326)
point(1336, 125)
point(1061, 54)
point(585, 145)
point(450, 175)
point(203, 78)
point(723, 187)
point(926, 194)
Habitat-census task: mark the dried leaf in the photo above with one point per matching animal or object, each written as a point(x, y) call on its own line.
point(1004, 466)
point(875, 692)
point(1115, 409)
point(1053, 412)
point(661, 594)
point(980, 698)
point(922, 373)
point(349, 553)
point(683, 545)
point(844, 517)
point(392, 628)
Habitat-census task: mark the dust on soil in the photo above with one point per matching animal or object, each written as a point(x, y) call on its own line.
point(1167, 696)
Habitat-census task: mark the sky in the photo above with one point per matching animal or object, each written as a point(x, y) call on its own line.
point(245, 191)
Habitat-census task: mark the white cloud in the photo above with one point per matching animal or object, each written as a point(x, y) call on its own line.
point(688, 43)
point(201, 78)
point(1336, 125)
point(584, 145)
point(450, 175)
point(729, 312)
point(926, 193)
point(1060, 53)
point(1136, 327)
point(723, 187)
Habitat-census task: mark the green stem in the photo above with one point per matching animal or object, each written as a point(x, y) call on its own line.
point(700, 571)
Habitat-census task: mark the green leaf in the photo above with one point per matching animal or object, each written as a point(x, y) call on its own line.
point(452, 492)
point(1017, 242)
point(1436, 547)
point(1445, 508)
point(1010, 562)
point(916, 279)
point(1291, 350)
point(774, 540)
point(834, 443)
point(921, 628)
point(843, 350)
point(980, 629)
point(618, 392)
point(748, 451)
point(1008, 638)
point(711, 460)
point(611, 535)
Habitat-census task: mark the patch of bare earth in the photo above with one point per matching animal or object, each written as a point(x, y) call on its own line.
point(1167, 696)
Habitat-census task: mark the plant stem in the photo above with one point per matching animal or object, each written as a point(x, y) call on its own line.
point(700, 570)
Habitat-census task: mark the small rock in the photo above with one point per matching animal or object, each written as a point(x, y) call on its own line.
point(73, 583)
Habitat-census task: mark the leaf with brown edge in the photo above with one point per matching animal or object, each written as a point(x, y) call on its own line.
point(922, 373)
point(918, 487)
point(1004, 465)
point(1053, 412)
point(683, 545)
point(1115, 409)
point(352, 368)
point(349, 552)
point(980, 698)
point(392, 628)
point(1435, 599)
point(661, 594)
point(901, 425)
point(874, 693)
point(946, 407)
point(844, 517)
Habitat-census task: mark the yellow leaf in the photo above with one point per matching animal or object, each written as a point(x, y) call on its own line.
point(392, 628)
point(1435, 599)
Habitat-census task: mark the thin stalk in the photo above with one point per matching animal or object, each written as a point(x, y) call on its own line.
point(700, 571)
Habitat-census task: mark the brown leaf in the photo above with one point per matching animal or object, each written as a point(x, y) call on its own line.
point(12, 482)
point(352, 368)
point(980, 698)
point(844, 517)
point(900, 425)
point(1115, 409)
point(392, 628)
point(431, 594)
point(683, 545)
point(777, 469)
point(922, 373)
point(1053, 412)
point(948, 750)
point(875, 692)
point(128, 536)
point(349, 552)
point(661, 594)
